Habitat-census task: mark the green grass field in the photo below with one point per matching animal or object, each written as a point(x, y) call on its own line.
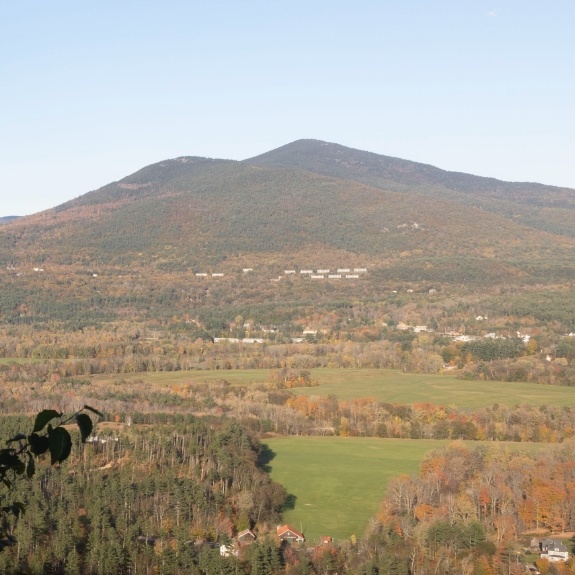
point(398, 387)
point(384, 385)
point(339, 482)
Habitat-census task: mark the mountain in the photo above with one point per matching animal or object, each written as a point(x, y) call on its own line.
point(6, 219)
point(307, 205)
point(545, 207)
point(306, 193)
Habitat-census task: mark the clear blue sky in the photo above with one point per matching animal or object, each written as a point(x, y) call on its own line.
point(93, 90)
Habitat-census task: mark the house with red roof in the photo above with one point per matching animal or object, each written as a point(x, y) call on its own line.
point(289, 534)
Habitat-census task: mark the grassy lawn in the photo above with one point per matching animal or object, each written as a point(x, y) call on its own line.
point(398, 387)
point(385, 385)
point(339, 482)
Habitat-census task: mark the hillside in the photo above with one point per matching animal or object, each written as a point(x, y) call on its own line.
point(6, 219)
point(138, 243)
point(521, 201)
point(189, 212)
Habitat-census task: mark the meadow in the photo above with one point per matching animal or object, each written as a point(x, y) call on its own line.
point(337, 483)
point(384, 385)
point(394, 386)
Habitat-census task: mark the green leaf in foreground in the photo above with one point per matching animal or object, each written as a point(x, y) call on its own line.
point(39, 444)
point(30, 467)
point(85, 425)
point(93, 410)
point(17, 437)
point(44, 417)
point(60, 444)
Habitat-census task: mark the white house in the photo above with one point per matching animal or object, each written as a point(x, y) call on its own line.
point(227, 550)
point(553, 550)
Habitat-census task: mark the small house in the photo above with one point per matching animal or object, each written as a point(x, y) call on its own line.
point(227, 550)
point(289, 534)
point(246, 536)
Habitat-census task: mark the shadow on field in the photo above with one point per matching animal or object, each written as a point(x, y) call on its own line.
point(265, 457)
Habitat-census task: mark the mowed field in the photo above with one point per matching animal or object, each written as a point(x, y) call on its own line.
point(394, 386)
point(384, 385)
point(339, 482)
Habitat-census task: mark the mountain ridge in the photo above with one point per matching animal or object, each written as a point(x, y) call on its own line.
point(517, 200)
point(307, 148)
point(209, 209)
point(176, 236)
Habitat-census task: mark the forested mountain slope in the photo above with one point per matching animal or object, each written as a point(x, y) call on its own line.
point(6, 219)
point(307, 206)
point(541, 206)
point(191, 211)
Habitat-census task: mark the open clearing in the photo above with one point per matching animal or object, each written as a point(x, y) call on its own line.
point(382, 384)
point(398, 387)
point(339, 482)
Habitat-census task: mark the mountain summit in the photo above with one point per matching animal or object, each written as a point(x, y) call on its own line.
point(307, 195)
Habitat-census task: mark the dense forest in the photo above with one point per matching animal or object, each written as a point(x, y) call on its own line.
point(142, 500)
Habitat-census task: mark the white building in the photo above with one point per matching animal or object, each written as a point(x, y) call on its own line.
point(553, 550)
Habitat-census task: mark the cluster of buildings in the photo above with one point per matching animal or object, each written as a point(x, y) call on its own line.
point(324, 273)
point(321, 273)
point(285, 533)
